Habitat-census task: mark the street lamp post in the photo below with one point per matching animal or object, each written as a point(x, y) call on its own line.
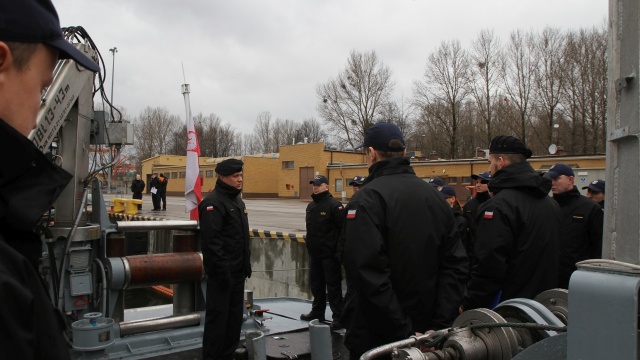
point(113, 50)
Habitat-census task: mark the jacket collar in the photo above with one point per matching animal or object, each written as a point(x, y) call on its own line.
point(227, 189)
point(321, 196)
point(521, 177)
point(29, 181)
point(567, 196)
point(388, 167)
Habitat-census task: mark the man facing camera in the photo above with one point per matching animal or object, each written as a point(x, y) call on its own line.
point(224, 238)
point(324, 218)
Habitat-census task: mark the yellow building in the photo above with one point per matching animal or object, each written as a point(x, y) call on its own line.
point(287, 174)
point(301, 162)
point(457, 173)
point(260, 173)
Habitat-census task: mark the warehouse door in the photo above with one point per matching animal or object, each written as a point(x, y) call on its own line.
point(306, 175)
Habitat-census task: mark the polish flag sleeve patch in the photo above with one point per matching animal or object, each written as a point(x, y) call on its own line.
point(351, 214)
point(488, 214)
point(210, 208)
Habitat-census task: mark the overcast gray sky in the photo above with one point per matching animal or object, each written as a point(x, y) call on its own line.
point(243, 57)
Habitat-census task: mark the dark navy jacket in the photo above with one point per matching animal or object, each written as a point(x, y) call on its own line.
point(517, 239)
point(581, 234)
point(324, 219)
point(29, 184)
point(403, 257)
point(224, 234)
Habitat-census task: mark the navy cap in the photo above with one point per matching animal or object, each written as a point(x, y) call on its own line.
point(486, 176)
point(380, 135)
point(558, 170)
point(448, 190)
point(36, 21)
point(504, 144)
point(319, 179)
point(228, 166)
point(595, 186)
point(357, 180)
point(436, 181)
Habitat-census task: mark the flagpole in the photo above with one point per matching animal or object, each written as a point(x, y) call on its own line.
point(193, 182)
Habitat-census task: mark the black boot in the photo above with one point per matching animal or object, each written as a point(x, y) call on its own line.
point(312, 316)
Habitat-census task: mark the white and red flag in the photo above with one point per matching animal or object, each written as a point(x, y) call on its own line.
point(193, 182)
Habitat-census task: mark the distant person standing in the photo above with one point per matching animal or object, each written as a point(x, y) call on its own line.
point(449, 194)
point(356, 183)
point(595, 191)
point(154, 189)
point(162, 191)
point(224, 238)
point(582, 222)
point(518, 231)
point(137, 187)
point(324, 218)
point(437, 183)
point(403, 255)
point(470, 211)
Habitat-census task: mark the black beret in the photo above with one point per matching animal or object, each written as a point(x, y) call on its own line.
point(229, 166)
point(505, 144)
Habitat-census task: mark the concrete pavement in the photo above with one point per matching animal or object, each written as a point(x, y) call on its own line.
point(281, 215)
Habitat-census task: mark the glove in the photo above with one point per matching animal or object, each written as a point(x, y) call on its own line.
point(247, 272)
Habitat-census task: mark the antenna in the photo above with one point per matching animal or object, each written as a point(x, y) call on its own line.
point(183, 76)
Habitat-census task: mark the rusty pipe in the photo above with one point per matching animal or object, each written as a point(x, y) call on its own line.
point(148, 270)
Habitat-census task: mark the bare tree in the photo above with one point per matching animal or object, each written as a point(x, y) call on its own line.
point(485, 79)
point(574, 94)
point(517, 73)
point(155, 132)
point(352, 102)
point(549, 78)
point(250, 144)
point(178, 141)
point(584, 90)
point(284, 132)
point(432, 122)
point(216, 139)
point(402, 113)
point(237, 148)
point(445, 86)
point(312, 130)
point(262, 132)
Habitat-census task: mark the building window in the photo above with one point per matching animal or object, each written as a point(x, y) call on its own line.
point(339, 185)
point(453, 180)
point(174, 175)
point(202, 174)
point(287, 164)
point(466, 180)
point(209, 173)
point(183, 174)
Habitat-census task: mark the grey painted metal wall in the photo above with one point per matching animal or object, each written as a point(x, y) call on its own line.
point(622, 198)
